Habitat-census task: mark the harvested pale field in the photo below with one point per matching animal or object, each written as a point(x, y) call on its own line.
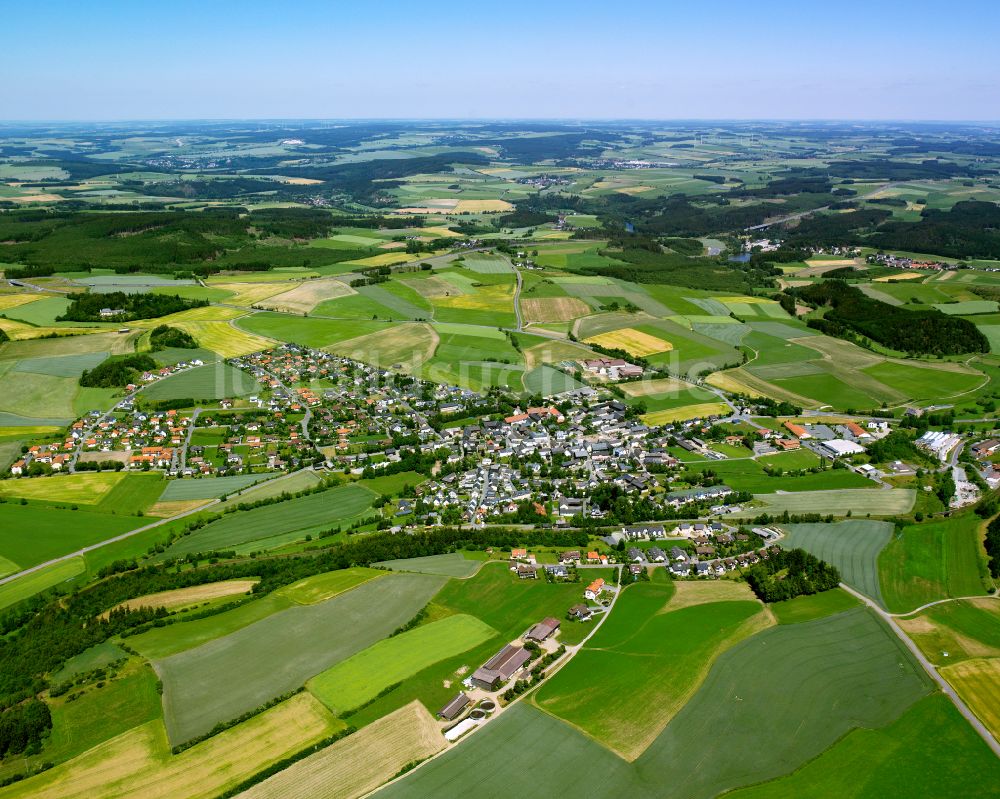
point(498, 298)
point(252, 293)
point(699, 411)
point(665, 385)
point(978, 683)
point(227, 340)
point(306, 296)
point(359, 763)
point(206, 313)
point(899, 276)
point(740, 381)
point(701, 593)
point(297, 181)
point(37, 198)
point(440, 232)
point(388, 259)
point(482, 207)
point(553, 309)
point(101, 457)
point(408, 345)
point(19, 331)
point(633, 341)
point(192, 595)
point(13, 300)
point(139, 763)
point(392, 245)
point(170, 508)
point(634, 189)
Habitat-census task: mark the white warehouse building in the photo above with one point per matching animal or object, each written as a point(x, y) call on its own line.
point(838, 448)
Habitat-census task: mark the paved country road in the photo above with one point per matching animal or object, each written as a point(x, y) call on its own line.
point(931, 670)
point(208, 504)
point(24, 572)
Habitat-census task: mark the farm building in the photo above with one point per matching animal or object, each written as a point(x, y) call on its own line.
point(543, 630)
point(840, 447)
point(797, 430)
point(454, 708)
point(501, 667)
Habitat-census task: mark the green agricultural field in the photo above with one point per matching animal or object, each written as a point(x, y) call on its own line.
point(928, 753)
point(859, 500)
point(451, 565)
point(23, 587)
point(749, 475)
point(511, 606)
point(931, 561)
point(211, 487)
point(31, 534)
point(546, 380)
point(853, 546)
point(293, 482)
point(61, 365)
point(185, 634)
point(813, 606)
point(38, 396)
point(307, 331)
point(524, 752)
point(7, 566)
point(642, 665)
point(98, 656)
point(40, 312)
point(100, 714)
point(968, 308)
point(354, 681)
point(270, 525)
point(797, 687)
point(956, 631)
point(212, 381)
point(279, 653)
point(865, 678)
point(86, 488)
point(321, 587)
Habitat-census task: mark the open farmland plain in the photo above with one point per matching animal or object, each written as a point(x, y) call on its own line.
point(604, 692)
point(452, 376)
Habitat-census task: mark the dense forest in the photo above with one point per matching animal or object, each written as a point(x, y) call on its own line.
point(786, 574)
point(641, 260)
point(925, 332)
point(164, 336)
point(126, 307)
point(116, 371)
point(203, 242)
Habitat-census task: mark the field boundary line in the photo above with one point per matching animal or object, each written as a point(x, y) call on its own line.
point(123, 536)
point(932, 672)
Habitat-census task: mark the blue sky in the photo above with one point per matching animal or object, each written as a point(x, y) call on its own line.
point(148, 59)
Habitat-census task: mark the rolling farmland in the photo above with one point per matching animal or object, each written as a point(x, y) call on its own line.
point(606, 693)
point(271, 524)
point(352, 682)
point(279, 653)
